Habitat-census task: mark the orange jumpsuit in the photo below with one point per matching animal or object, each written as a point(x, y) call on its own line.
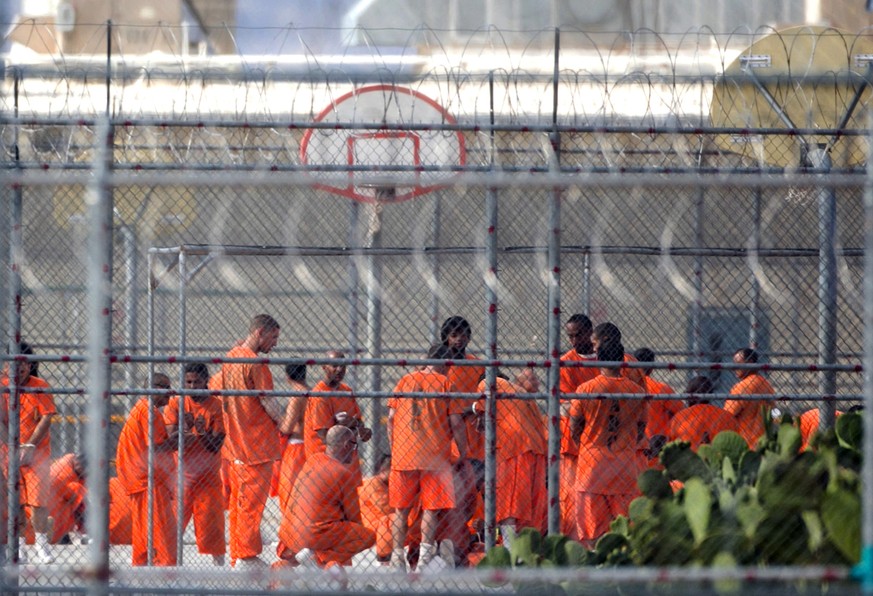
point(750, 414)
point(319, 415)
point(699, 424)
point(252, 447)
point(421, 443)
point(68, 497)
point(202, 490)
point(293, 458)
point(465, 379)
point(326, 516)
point(131, 463)
point(609, 457)
point(571, 378)
point(120, 522)
point(376, 514)
point(35, 478)
point(661, 411)
point(521, 460)
point(809, 422)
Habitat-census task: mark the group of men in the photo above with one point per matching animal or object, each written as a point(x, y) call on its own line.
point(422, 504)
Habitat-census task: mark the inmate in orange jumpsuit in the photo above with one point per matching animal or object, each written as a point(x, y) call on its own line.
point(68, 497)
point(35, 478)
point(609, 458)
point(421, 443)
point(252, 447)
point(319, 416)
point(326, 516)
point(661, 411)
point(809, 422)
point(202, 467)
point(465, 379)
point(131, 463)
point(521, 460)
point(699, 424)
point(571, 378)
point(376, 514)
point(750, 414)
point(120, 522)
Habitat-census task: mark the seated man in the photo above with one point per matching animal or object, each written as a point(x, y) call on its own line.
point(324, 525)
point(377, 514)
point(701, 421)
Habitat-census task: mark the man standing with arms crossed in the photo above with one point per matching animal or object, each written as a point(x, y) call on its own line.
point(252, 440)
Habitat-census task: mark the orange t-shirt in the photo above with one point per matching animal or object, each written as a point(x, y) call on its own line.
point(519, 428)
point(571, 378)
point(252, 436)
point(320, 412)
point(198, 459)
point(750, 414)
point(421, 437)
point(325, 493)
point(465, 379)
point(34, 407)
point(699, 424)
point(131, 456)
point(661, 411)
point(609, 461)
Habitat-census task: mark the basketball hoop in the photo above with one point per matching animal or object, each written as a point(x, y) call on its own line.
point(381, 149)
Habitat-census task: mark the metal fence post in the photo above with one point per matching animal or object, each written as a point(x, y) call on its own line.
point(99, 307)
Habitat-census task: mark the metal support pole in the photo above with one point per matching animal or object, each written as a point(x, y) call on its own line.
point(372, 407)
point(554, 318)
point(99, 306)
point(697, 305)
point(131, 300)
point(755, 299)
point(434, 323)
point(354, 281)
point(491, 336)
point(14, 341)
point(180, 487)
point(864, 569)
point(827, 287)
point(586, 283)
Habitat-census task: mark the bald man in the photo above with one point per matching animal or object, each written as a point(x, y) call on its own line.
point(324, 524)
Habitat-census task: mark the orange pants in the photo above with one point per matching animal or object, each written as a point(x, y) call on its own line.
point(249, 491)
point(204, 501)
point(292, 462)
point(595, 512)
point(164, 520)
point(521, 491)
point(336, 542)
point(567, 493)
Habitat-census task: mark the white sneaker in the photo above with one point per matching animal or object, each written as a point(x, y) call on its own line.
point(306, 559)
point(447, 553)
point(22, 555)
point(428, 562)
point(398, 562)
point(43, 556)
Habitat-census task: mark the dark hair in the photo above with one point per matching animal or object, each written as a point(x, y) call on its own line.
point(380, 461)
point(610, 351)
point(699, 384)
point(452, 325)
point(198, 368)
point(581, 320)
point(27, 350)
point(608, 332)
point(645, 355)
point(748, 354)
point(440, 352)
point(296, 372)
point(263, 322)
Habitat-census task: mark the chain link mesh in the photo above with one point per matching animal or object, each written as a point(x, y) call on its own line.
point(218, 218)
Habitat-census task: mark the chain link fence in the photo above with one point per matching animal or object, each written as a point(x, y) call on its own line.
point(612, 193)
